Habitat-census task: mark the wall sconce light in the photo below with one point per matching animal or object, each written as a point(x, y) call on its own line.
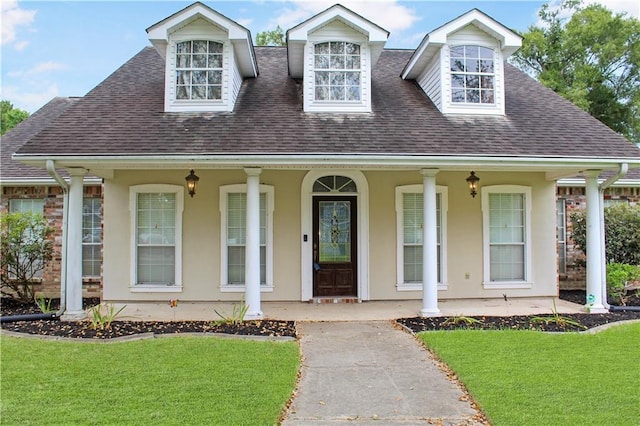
point(192, 180)
point(473, 180)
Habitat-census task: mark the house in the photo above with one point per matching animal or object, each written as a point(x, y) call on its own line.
point(29, 188)
point(324, 169)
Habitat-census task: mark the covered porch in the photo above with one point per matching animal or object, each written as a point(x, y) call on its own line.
point(364, 311)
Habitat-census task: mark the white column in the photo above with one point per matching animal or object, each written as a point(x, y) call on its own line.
point(74, 310)
point(594, 244)
point(252, 245)
point(430, 245)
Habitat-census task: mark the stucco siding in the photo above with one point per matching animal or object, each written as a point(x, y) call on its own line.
point(202, 248)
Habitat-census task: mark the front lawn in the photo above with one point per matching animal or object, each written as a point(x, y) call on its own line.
point(176, 380)
point(534, 378)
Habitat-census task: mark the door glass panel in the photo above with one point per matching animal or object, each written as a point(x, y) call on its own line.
point(335, 231)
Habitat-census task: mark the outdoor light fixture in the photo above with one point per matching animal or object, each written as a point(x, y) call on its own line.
point(192, 180)
point(473, 180)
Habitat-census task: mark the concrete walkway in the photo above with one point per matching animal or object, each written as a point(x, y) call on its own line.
point(370, 372)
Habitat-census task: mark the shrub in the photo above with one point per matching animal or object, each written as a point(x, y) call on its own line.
point(25, 248)
point(618, 275)
point(622, 233)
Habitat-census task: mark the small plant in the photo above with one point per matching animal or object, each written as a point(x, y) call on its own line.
point(461, 320)
point(44, 304)
point(102, 320)
point(556, 318)
point(619, 275)
point(237, 314)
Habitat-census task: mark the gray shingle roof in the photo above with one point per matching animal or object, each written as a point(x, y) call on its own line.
point(124, 116)
point(16, 137)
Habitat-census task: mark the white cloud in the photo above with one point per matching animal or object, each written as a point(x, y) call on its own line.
point(387, 13)
point(41, 68)
point(13, 17)
point(32, 101)
point(632, 7)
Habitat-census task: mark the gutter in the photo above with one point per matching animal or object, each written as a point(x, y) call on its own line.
point(63, 270)
point(622, 171)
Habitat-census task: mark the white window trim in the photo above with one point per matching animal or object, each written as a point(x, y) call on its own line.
point(450, 107)
point(99, 244)
point(133, 209)
point(174, 105)
point(444, 200)
point(363, 105)
point(270, 196)
point(506, 189)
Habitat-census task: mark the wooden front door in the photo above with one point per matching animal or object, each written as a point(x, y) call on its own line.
point(335, 246)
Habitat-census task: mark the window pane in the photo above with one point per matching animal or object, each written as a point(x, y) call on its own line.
point(33, 205)
point(413, 264)
point(156, 265)
point(193, 81)
point(507, 263)
point(413, 231)
point(337, 47)
point(322, 48)
point(332, 86)
point(236, 237)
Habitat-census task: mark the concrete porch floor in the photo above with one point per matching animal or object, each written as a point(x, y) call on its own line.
point(365, 311)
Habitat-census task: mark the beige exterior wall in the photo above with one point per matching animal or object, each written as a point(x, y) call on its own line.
point(201, 234)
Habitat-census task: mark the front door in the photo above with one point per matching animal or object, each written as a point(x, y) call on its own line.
point(334, 246)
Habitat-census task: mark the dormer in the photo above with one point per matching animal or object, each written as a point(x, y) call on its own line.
point(460, 65)
point(334, 53)
point(207, 55)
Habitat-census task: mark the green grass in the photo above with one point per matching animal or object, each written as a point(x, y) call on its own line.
point(534, 378)
point(177, 380)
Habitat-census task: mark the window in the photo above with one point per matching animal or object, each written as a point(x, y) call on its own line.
point(233, 205)
point(472, 75)
point(91, 237)
point(506, 211)
point(198, 70)
point(410, 219)
point(157, 237)
point(33, 205)
point(561, 231)
point(337, 69)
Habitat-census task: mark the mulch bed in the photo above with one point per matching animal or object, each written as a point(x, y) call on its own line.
point(272, 328)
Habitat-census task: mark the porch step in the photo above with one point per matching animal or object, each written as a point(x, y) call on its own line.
point(335, 300)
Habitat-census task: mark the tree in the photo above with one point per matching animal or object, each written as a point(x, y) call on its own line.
point(25, 248)
point(622, 233)
point(591, 58)
point(271, 38)
point(10, 117)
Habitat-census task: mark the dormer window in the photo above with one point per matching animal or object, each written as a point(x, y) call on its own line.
point(199, 70)
point(337, 68)
point(472, 75)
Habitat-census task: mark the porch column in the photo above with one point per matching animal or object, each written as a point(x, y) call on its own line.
point(74, 310)
point(594, 244)
point(252, 245)
point(430, 245)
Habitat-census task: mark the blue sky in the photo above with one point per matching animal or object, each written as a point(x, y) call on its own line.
point(66, 48)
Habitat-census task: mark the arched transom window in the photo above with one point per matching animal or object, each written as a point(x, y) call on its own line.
point(334, 184)
point(338, 70)
point(199, 70)
point(472, 75)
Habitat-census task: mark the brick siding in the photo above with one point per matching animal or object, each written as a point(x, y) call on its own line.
point(575, 199)
point(53, 210)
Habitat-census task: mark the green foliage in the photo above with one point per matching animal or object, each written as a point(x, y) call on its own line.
point(103, 315)
point(44, 303)
point(271, 38)
point(10, 117)
point(461, 320)
point(25, 248)
point(619, 275)
point(177, 380)
point(535, 378)
point(591, 58)
point(556, 318)
point(238, 312)
point(622, 233)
